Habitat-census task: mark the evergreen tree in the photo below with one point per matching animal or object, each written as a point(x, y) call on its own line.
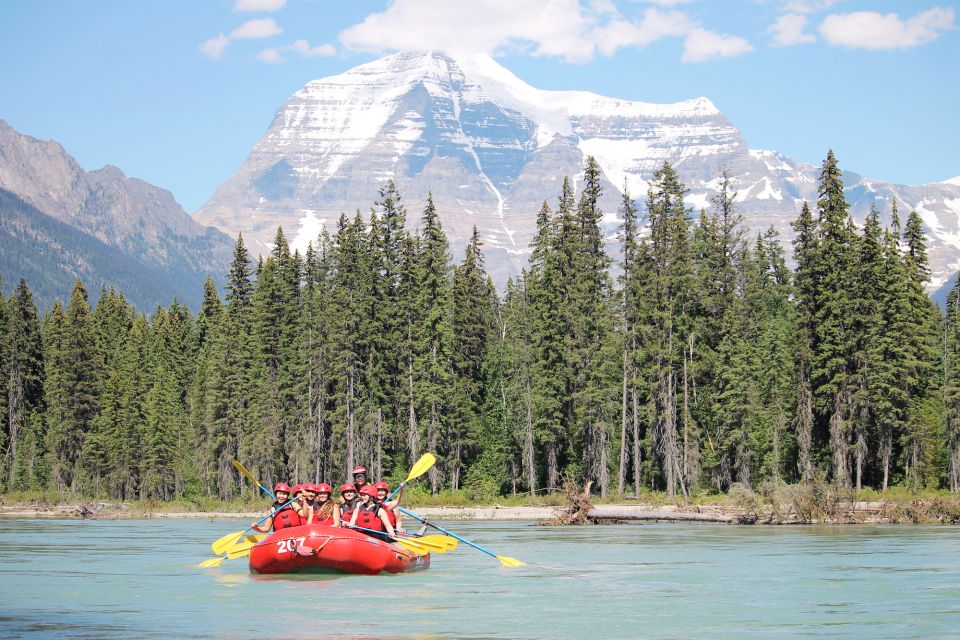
point(668, 295)
point(833, 365)
point(435, 335)
point(76, 391)
point(473, 306)
point(23, 375)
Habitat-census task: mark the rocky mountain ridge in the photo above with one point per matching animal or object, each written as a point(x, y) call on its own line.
point(149, 242)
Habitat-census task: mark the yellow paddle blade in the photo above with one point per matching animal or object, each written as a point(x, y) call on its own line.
point(422, 465)
point(242, 469)
point(245, 545)
point(221, 545)
point(213, 562)
point(420, 547)
point(239, 552)
point(445, 541)
point(511, 562)
point(441, 544)
point(416, 548)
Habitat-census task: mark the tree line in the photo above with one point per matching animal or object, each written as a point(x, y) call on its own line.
point(694, 360)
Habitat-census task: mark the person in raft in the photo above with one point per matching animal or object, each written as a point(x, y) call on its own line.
point(391, 507)
point(348, 498)
point(281, 515)
point(305, 494)
point(359, 478)
point(324, 510)
point(370, 515)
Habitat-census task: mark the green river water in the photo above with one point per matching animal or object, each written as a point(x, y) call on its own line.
point(138, 579)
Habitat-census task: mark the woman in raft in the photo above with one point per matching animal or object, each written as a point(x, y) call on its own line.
point(282, 515)
point(324, 510)
point(369, 514)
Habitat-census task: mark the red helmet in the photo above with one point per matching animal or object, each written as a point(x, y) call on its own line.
point(297, 489)
point(382, 485)
point(370, 491)
point(359, 471)
point(323, 487)
point(347, 487)
point(309, 486)
point(281, 486)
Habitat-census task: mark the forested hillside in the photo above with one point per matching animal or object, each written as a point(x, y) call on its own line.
point(704, 362)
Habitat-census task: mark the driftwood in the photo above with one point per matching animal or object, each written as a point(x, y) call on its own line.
point(665, 514)
point(577, 512)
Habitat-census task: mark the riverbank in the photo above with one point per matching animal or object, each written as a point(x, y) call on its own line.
point(873, 512)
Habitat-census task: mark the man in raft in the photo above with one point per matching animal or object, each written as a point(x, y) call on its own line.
point(281, 515)
point(359, 478)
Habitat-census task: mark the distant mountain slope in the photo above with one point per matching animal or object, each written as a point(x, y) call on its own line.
point(143, 238)
point(51, 255)
point(492, 148)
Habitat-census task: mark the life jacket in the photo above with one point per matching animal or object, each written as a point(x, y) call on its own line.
point(286, 518)
point(365, 518)
point(318, 519)
point(392, 517)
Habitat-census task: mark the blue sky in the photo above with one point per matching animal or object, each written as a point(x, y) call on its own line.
point(177, 92)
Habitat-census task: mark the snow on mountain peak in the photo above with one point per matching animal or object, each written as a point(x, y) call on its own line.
point(953, 181)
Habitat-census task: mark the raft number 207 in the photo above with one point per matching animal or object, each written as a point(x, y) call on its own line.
point(289, 545)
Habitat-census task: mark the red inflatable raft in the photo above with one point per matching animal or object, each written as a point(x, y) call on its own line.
point(320, 548)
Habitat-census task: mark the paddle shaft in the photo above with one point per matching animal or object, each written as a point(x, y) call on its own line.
point(449, 533)
point(264, 518)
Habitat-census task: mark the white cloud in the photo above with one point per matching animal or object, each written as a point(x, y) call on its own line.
point(807, 6)
point(570, 29)
point(669, 3)
point(270, 55)
point(303, 47)
point(654, 26)
point(550, 27)
point(872, 30)
point(260, 28)
point(788, 30)
point(214, 47)
point(702, 45)
point(259, 5)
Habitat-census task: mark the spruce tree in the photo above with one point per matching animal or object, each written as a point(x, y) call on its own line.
point(23, 375)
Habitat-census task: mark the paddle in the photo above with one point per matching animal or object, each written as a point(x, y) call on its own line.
point(230, 543)
point(221, 545)
point(242, 469)
point(504, 560)
point(213, 562)
point(422, 465)
point(419, 545)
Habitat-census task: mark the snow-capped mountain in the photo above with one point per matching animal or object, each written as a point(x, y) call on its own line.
point(491, 149)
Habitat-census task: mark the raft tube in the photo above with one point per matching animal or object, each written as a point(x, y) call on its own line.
point(336, 549)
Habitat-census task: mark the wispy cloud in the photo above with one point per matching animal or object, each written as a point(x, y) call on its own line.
point(271, 56)
point(789, 30)
point(871, 30)
point(321, 51)
point(568, 29)
point(302, 48)
point(253, 29)
point(249, 30)
point(215, 46)
point(259, 5)
point(807, 6)
point(702, 45)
